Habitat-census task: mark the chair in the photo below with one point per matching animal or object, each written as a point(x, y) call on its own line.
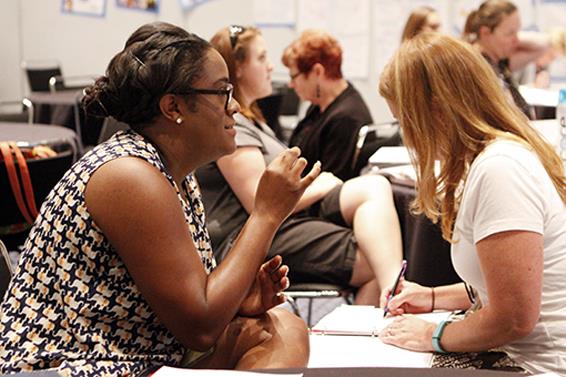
point(16, 111)
point(371, 137)
point(38, 73)
point(6, 270)
point(312, 291)
point(44, 174)
point(109, 127)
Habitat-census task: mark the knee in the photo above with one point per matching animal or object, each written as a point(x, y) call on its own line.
point(370, 187)
point(293, 333)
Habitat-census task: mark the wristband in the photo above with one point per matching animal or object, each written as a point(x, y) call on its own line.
point(436, 336)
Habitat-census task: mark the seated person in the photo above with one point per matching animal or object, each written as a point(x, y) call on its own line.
point(557, 37)
point(500, 196)
point(341, 233)
point(117, 274)
point(420, 20)
point(493, 29)
point(329, 131)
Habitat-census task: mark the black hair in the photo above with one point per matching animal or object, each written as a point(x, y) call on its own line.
point(158, 58)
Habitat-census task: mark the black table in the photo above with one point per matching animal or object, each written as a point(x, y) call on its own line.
point(60, 138)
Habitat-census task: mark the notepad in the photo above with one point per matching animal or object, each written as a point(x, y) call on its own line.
point(361, 320)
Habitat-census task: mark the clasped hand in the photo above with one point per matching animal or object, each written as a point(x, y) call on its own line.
point(266, 291)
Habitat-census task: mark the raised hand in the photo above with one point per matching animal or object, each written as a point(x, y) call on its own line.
point(266, 292)
point(409, 298)
point(281, 185)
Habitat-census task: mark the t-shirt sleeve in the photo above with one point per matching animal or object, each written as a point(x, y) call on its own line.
point(504, 196)
point(247, 138)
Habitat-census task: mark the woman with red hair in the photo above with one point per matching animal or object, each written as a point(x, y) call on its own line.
point(328, 132)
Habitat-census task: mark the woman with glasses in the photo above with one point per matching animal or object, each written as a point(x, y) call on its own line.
point(117, 274)
point(340, 233)
point(329, 131)
point(500, 196)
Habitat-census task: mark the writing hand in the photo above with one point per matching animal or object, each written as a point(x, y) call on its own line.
point(409, 298)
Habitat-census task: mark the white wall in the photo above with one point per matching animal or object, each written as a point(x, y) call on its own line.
point(36, 29)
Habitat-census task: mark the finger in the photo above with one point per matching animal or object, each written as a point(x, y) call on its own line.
point(279, 274)
point(299, 166)
point(311, 176)
point(284, 283)
point(273, 264)
point(290, 155)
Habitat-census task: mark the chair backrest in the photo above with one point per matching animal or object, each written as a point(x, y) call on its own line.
point(109, 127)
point(6, 270)
point(44, 174)
point(16, 111)
point(370, 140)
point(38, 73)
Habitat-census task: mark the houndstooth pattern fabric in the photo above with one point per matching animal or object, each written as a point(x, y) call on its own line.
point(72, 305)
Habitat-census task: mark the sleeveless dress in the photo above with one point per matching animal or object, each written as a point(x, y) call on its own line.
point(72, 305)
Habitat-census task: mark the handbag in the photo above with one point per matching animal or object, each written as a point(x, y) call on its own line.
point(16, 166)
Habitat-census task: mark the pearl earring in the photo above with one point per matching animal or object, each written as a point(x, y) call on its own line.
point(179, 120)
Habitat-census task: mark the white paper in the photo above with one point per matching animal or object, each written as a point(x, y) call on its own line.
point(180, 372)
point(362, 320)
point(390, 156)
point(539, 97)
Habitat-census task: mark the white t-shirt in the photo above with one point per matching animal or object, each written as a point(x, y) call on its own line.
point(508, 189)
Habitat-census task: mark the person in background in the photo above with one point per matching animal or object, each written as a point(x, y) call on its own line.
point(493, 29)
point(420, 20)
point(329, 130)
point(557, 50)
point(340, 233)
point(117, 274)
point(500, 196)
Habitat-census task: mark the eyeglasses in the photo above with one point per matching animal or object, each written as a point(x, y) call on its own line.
point(295, 75)
point(227, 91)
point(235, 31)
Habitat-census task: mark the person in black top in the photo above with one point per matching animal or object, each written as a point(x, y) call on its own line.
point(328, 133)
point(493, 29)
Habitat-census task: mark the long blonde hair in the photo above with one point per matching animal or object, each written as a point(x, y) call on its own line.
point(238, 54)
point(450, 106)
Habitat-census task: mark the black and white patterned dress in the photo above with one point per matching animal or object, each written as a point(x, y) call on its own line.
point(72, 305)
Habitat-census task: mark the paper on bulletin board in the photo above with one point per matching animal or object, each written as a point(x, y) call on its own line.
point(274, 12)
point(349, 22)
point(85, 7)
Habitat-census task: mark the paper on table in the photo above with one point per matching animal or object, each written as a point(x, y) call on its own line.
point(539, 97)
point(180, 372)
point(362, 320)
point(390, 156)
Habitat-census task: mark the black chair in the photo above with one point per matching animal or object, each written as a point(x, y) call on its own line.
point(312, 291)
point(370, 140)
point(109, 127)
point(44, 174)
point(6, 270)
point(38, 73)
point(16, 111)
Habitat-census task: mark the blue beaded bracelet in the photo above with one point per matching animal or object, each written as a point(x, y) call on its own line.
point(436, 336)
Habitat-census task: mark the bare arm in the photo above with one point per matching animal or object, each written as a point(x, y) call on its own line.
point(243, 168)
point(512, 264)
point(139, 212)
point(531, 47)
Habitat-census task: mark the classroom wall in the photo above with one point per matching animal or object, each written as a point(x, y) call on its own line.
point(37, 29)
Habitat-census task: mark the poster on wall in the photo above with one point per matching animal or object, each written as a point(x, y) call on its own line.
point(190, 4)
point(143, 5)
point(96, 8)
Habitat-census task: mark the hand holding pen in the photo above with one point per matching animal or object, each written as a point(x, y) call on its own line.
point(395, 286)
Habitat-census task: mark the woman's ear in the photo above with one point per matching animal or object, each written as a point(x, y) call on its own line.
point(484, 32)
point(169, 107)
point(318, 69)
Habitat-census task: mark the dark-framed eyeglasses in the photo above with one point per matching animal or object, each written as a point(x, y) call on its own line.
point(227, 91)
point(295, 75)
point(235, 31)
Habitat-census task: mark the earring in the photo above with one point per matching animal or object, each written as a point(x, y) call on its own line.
point(179, 120)
point(317, 91)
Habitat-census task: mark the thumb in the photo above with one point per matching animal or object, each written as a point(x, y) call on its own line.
point(311, 176)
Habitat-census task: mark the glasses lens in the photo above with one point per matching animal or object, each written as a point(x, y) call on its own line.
point(235, 31)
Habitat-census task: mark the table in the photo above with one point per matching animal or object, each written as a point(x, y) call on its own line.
point(34, 134)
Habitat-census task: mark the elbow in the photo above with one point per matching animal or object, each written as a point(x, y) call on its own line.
point(521, 325)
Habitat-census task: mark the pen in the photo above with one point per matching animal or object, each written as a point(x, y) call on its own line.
point(395, 285)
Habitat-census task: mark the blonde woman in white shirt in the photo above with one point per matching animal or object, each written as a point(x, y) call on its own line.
point(500, 198)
